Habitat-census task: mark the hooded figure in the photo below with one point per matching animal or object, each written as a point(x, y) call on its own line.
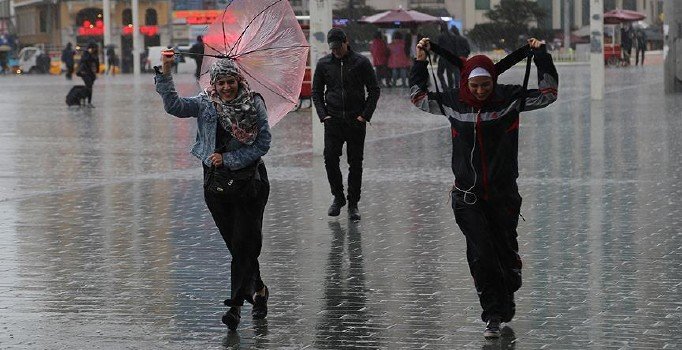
point(484, 120)
point(232, 136)
point(88, 67)
point(477, 66)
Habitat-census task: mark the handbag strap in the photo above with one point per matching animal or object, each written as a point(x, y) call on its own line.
point(524, 92)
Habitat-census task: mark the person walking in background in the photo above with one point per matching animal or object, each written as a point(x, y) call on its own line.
point(345, 92)
point(411, 39)
point(112, 60)
point(4, 69)
point(67, 58)
point(380, 53)
point(626, 41)
point(198, 50)
point(484, 118)
point(232, 135)
point(446, 70)
point(88, 67)
point(640, 46)
point(463, 51)
point(398, 61)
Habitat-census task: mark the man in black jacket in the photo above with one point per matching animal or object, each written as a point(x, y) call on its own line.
point(345, 93)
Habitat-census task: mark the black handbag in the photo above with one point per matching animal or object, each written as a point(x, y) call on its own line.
point(234, 184)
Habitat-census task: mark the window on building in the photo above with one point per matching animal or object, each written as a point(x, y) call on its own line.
point(586, 13)
point(42, 20)
point(630, 5)
point(26, 23)
point(127, 17)
point(609, 5)
point(150, 17)
point(483, 4)
point(548, 6)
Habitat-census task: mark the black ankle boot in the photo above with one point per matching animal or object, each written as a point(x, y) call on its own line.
point(337, 204)
point(260, 305)
point(231, 317)
point(353, 212)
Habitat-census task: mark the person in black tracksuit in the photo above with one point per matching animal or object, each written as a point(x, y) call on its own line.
point(345, 92)
point(484, 119)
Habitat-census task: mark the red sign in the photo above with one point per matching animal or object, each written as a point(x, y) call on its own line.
point(89, 29)
point(203, 16)
point(144, 30)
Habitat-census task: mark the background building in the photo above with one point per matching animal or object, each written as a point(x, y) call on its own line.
point(472, 12)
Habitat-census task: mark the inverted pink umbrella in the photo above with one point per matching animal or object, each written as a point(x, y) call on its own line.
point(265, 40)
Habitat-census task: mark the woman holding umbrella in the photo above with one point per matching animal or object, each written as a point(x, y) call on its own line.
point(232, 135)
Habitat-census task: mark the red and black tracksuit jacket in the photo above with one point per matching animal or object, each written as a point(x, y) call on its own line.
point(491, 132)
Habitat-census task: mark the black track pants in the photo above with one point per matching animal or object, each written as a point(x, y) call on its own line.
point(352, 132)
point(492, 250)
point(240, 224)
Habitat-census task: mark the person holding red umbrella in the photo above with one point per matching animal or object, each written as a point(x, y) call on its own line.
point(232, 135)
point(484, 118)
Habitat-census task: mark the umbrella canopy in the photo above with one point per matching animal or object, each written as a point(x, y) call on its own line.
point(619, 16)
point(267, 44)
point(399, 17)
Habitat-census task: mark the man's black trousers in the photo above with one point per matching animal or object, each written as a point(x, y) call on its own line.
point(240, 223)
point(492, 250)
point(352, 132)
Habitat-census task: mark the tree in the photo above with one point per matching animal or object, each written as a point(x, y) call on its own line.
point(517, 13)
point(509, 26)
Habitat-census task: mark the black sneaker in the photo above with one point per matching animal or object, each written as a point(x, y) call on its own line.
point(232, 317)
point(260, 305)
point(337, 204)
point(492, 328)
point(353, 212)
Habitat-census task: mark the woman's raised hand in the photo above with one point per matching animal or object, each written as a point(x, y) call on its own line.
point(167, 60)
point(535, 43)
point(423, 46)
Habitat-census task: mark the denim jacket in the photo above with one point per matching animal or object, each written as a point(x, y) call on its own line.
point(238, 155)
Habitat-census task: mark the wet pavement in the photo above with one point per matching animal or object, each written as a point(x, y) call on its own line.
point(105, 241)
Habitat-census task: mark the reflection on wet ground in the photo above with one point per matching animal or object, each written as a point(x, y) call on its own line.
point(106, 242)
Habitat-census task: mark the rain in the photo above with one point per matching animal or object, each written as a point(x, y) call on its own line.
point(107, 243)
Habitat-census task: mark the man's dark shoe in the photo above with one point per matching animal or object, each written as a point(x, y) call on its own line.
point(492, 328)
point(260, 305)
point(232, 317)
point(353, 213)
point(337, 204)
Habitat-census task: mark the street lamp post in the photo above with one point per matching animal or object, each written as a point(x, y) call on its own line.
point(136, 38)
point(672, 32)
point(320, 23)
point(567, 25)
point(106, 13)
point(597, 49)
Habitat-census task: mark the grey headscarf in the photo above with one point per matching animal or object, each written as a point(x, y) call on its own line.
point(238, 116)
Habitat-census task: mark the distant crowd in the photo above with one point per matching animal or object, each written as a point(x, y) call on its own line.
point(393, 60)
